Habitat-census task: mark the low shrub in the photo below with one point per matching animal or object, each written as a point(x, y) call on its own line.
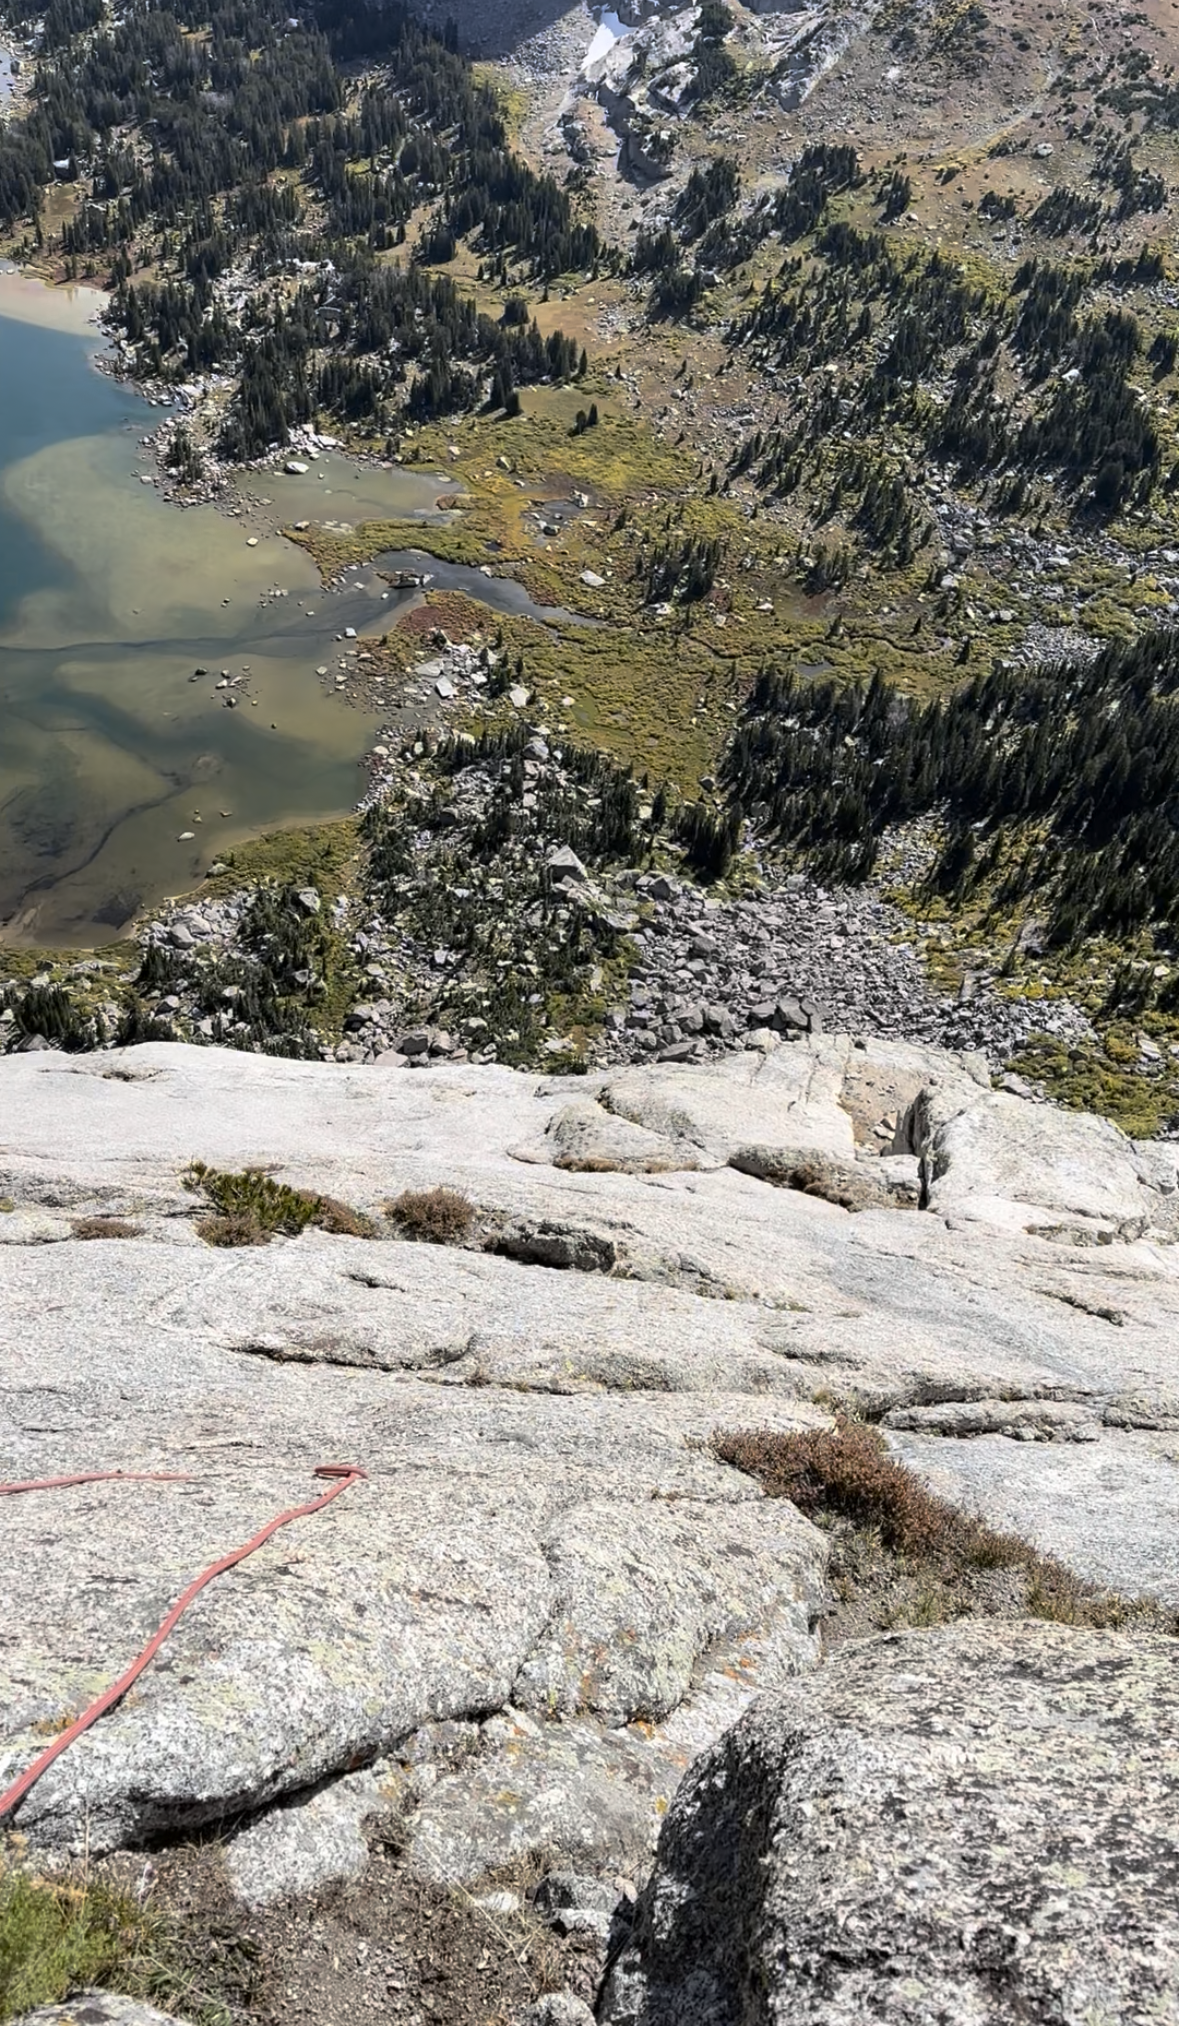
point(435, 1216)
point(243, 1228)
point(848, 1471)
point(846, 1476)
point(251, 1208)
point(57, 1937)
point(49, 1011)
point(105, 1227)
point(341, 1220)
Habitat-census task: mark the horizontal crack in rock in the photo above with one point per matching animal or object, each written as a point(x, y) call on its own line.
point(1105, 1314)
point(337, 1351)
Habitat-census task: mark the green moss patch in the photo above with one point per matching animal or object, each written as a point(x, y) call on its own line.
point(1088, 1079)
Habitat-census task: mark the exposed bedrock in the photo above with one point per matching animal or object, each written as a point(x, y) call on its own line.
point(975, 1823)
point(548, 1598)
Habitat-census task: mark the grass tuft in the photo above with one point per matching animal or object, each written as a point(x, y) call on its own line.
point(58, 1936)
point(105, 1227)
point(434, 1216)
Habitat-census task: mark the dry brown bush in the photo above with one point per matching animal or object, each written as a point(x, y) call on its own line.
point(436, 1216)
point(847, 1470)
point(845, 1475)
point(241, 1228)
point(105, 1227)
point(341, 1220)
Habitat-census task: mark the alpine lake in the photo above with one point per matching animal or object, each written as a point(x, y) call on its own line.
point(122, 776)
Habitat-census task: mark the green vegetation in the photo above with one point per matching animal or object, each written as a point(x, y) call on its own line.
point(1080, 758)
point(60, 1935)
point(258, 151)
point(821, 171)
point(915, 356)
point(709, 838)
point(402, 254)
point(1028, 385)
point(252, 1208)
point(1094, 1080)
point(48, 1010)
point(277, 991)
point(287, 982)
point(1057, 850)
point(459, 864)
point(321, 855)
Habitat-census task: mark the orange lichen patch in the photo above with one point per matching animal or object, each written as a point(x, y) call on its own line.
point(53, 1726)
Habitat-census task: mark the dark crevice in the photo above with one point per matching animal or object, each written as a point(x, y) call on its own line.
point(555, 1245)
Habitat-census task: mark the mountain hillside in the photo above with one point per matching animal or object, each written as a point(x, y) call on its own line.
point(602, 1321)
point(786, 362)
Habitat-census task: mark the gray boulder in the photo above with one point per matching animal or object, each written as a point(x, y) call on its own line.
point(582, 1138)
point(99, 2008)
point(975, 1824)
point(1066, 1175)
point(842, 1182)
point(563, 865)
point(558, 2008)
point(311, 1840)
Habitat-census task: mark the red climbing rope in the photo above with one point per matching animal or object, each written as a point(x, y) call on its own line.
point(347, 1473)
point(97, 1477)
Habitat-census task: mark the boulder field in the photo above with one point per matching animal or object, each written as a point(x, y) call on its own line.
point(547, 1602)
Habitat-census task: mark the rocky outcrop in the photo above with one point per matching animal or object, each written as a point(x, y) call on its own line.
point(1066, 1176)
point(975, 1823)
point(644, 83)
point(818, 39)
point(98, 2008)
point(548, 1598)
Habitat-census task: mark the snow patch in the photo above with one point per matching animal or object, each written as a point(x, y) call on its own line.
point(608, 31)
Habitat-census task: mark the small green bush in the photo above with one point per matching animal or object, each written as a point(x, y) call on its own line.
point(58, 1937)
point(49, 1011)
point(251, 1207)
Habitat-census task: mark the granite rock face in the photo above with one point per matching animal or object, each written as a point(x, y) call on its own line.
point(313, 1840)
point(547, 1598)
point(999, 1160)
point(973, 1824)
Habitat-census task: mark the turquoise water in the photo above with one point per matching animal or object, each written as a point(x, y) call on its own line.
point(109, 599)
point(44, 397)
